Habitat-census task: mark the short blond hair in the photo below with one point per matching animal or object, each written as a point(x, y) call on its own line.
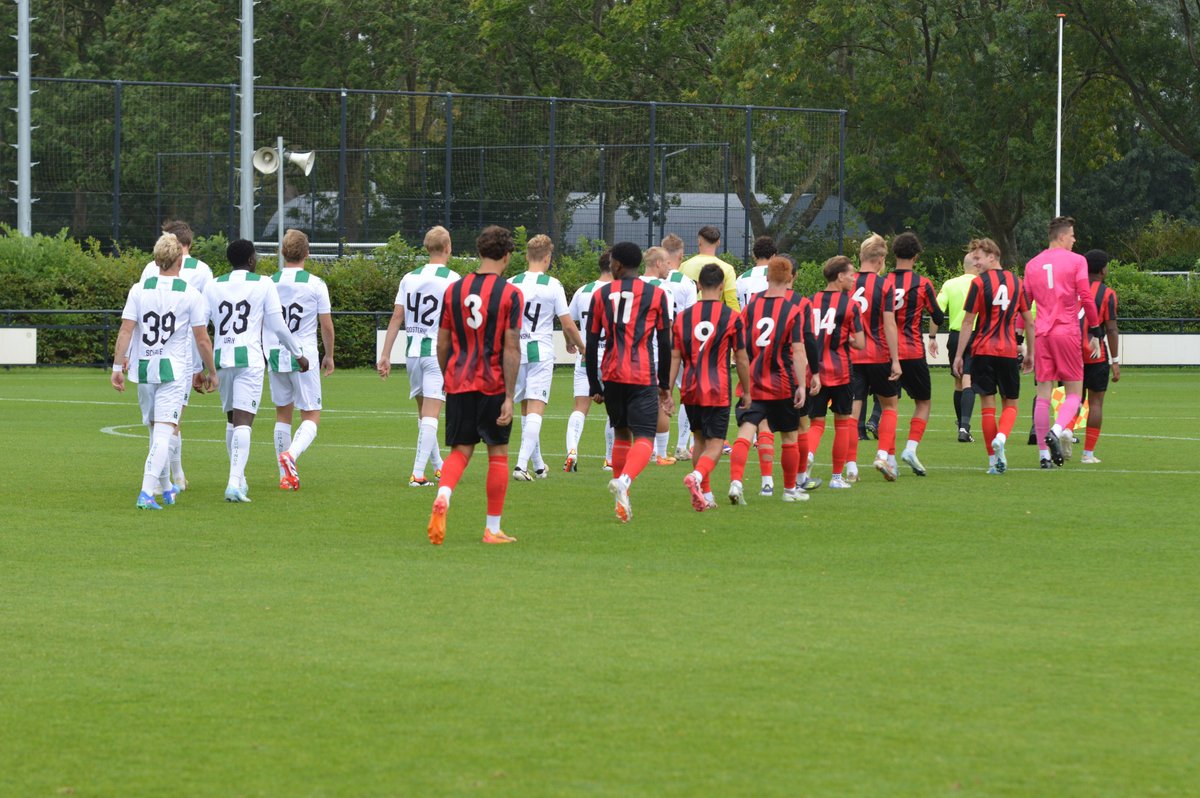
point(986, 245)
point(672, 243)
point(654, 256)
point(167, 251)
point(294, 247)
point(873, 248)
point(539, 248)
point(437, 240)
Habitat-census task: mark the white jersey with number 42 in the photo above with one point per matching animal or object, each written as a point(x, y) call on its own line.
point(165, 310)
point(545, 301)
point(421, 293)
point(304, 296)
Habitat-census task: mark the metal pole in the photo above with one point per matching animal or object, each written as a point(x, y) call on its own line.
point(662, 188)
point(24, 124)
point(279, 198)
point(447, 185)
point(116, 205)
point(600, 221)
point(650, 184)
point(748, 183)
point(158, 216)
point(841, 182)
point(366, 222)
point(481, 178)
point(553, 149)
point(246, 156)
point(424, 186)
point(1058, 129)
point(211, 189)
point(725, 186)
point(343, 179)
point(229, 188)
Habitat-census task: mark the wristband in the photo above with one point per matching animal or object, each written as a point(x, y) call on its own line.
point(1115, 360)
point(117, 367)
point(932, 335)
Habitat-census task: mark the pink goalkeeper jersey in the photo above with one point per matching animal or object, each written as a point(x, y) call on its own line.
point(1057, 280)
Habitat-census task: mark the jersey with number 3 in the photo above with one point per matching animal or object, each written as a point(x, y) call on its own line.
point(835, 320)
point(705, 333)
point(545, 301)
point(477, 312)
point(421, 292)
point(303, 296)
point(165, 310)
point(770, 325)
point(238, 304)
point(997, 298)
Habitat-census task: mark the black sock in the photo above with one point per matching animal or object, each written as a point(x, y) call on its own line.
point(958, 407)
point(968, 407)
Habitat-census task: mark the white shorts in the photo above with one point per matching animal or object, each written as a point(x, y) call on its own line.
point(162, 402)
point(425, 376)
point(240, 388)
point(533, 381)
point(299, 388)
point(581, 380)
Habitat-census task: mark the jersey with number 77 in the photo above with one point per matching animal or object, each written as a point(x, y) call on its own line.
point(997, 298)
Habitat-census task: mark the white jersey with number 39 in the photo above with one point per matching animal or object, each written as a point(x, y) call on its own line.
point(165, 310)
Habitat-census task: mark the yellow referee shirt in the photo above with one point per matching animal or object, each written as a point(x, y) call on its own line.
point(692, 266)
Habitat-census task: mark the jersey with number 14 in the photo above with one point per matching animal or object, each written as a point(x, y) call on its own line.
point(238, 303)
point(165, 310)
point(478, 311)
point(997, 298)
point(545, 301)
point(420, 294)
point(770, 325)
point(836, 318)
point(304, 296)
point(705, 333)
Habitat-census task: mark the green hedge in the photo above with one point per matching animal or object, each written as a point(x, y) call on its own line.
point(57, 272)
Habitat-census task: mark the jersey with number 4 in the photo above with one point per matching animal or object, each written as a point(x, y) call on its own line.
point(770, 326)
point(705, 333)
point(545, 301)
point(997, 298)
point(421, 293)
point(165, 310)
point(238, 304)
point(304, 296)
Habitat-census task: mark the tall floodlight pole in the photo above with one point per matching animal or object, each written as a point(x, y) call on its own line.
point(1058, 134)
point(24, 124)
point(246, 150)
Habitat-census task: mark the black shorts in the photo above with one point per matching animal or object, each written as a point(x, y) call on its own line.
point(1095, 377)
point(872, 378)
point(782, 415)
point(471, 418)
point(952, 348)
point(991, 374)
point(632, 406)
point(711, 422)
point(915, 379)
point(839, 397)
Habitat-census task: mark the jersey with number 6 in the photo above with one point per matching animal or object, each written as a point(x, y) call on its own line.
point(421, 292)
point(238, 304)
point(165, 310)
point(873, 300)
point(835, 319)
point(303, 296)
point(705, 333)
point(477, 311)
point(997, 298)
point(770, 325)
point(545, 301)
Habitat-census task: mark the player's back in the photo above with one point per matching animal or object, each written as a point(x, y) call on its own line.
point(192, 271)
point(750, 284)
point(303, 297)
point(704, 334)
point(1054, 280)
point(680, 289)
point(998, 299)
point(770, 326)
point(873, 301)
point(835, 319)
point(912, 295)
point(477, 312)
point(545, 301)
point(237, 304)
point(580, 308)
point(165, 310)
point(629, 312)
point(421, 294)
point(1106, 310)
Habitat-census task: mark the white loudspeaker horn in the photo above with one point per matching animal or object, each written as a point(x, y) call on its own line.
point(302, 160)
point(266, 160)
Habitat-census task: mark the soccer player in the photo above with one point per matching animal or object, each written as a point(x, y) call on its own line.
point(242, 305)
point(419, 311)
point(996, 299)
point(750, 284)
point(708, 241)
point(579, 308)
point(545, 301)
point(913, 295)
point(630, 313)
point(479, 353)
point(655, 270)
point(876, 367)
point(951, 299)
point(704, 335)
point(1096, 368)
point(837, 327)
point(197, 274)
point(1056, 279)
point(305, 300)
point(774, 329)
point(682, 291)
point(163, 319)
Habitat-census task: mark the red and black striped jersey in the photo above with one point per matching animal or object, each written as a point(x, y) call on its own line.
point(770, 325)
point(1106, 308)
point(997, 298)
point(835, 319)
point(629, 313)
point(477, 311)
point(704, 334)
point(873, 301)
point(912, 296)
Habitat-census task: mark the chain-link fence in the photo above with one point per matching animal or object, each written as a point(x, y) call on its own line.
point(113, 159)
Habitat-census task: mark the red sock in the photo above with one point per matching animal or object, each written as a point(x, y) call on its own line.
point(639, 456)
point(1093, 435)
point(497, 483)
point(737, 459)
point(706, 484)
point(815, 430)
point(766, 453)
point(791, 464)
point(452, 469)
point(705, 465)
point(989, 427)
point(1008, 417)
point(802, 450)
point(887, 431)
point(844, 428)
point(619, 456)
point(852, 453)
point(916, 429)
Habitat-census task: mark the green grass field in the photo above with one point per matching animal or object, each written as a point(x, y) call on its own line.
point(1031, 634)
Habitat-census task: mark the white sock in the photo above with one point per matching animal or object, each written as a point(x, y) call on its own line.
point(684, 427)
point(852, 467)
point(911, 446)
point(609, 434)
point(283, 439)
point(709, 496)
point(175, 455)
point(305, 435)
point(536, 461)
point(493, 523)
point(1056, 430)
point(426, 444)
point(574, 430)
point(164, 478)
point(991, 459)
point(1000, 438)
point(157, 457)
point(661, 439)
point(625, 480)
point(435, 453)
point(531, 428)
point(239, 454)
point(444, 493)
point(229, 438)
point(891, 458)
point(881, 454)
